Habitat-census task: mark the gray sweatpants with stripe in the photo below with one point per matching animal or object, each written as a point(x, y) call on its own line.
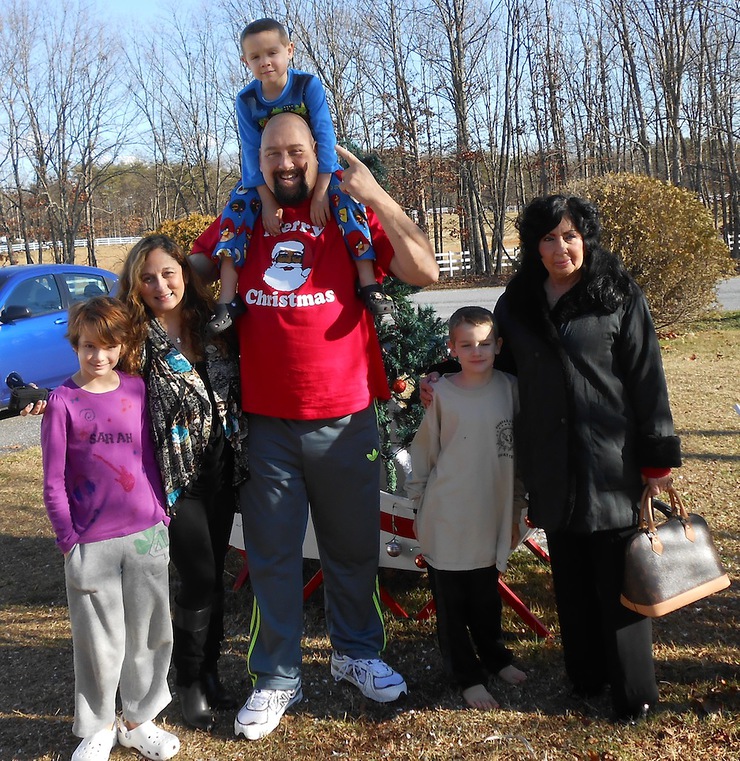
point(119, 608)
point(329, 464)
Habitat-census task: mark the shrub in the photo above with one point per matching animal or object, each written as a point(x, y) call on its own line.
point(666, 239)
point(186, 229)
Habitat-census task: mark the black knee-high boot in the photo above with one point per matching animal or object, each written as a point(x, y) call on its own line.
point(218, 697)
point(190, 631)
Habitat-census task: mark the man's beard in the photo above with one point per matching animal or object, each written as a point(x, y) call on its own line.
point(291, 196)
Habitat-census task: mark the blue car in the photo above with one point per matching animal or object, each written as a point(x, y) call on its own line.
point(34, 299)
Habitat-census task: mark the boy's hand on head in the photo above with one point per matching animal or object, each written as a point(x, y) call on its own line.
point(320, 212)
point(272, 216)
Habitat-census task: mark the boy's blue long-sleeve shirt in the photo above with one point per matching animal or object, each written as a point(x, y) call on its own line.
point(303, 94)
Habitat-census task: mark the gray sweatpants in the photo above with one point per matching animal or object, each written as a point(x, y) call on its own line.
point(329, 463)
point(118, 596)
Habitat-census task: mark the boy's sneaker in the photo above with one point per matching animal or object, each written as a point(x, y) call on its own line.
point(263, 710)
point(374, 678)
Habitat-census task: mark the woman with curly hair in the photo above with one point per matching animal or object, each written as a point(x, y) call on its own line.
point(199, 434)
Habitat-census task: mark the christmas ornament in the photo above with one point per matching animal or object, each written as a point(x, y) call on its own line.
point(420, 562)
point(393, 548)
point(399, 385)
point(403, 388)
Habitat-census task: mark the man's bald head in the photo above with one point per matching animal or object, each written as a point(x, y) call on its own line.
point(286, 120)
point(288, 158)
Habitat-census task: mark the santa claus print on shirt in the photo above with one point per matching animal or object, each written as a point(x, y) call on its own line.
point(287, 271)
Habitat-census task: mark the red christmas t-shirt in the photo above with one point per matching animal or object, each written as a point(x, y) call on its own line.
point(309, 349)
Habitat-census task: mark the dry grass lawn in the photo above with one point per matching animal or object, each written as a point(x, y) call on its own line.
point(697, 649)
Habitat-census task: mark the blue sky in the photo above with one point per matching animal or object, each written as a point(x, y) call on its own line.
point(144, 9)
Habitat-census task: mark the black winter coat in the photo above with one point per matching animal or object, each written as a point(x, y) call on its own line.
point(593, 405)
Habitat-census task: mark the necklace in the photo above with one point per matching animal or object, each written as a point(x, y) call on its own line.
point(174, 339)
point(177, 340)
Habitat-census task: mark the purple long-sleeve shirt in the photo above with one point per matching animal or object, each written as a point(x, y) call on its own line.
point(101, 479)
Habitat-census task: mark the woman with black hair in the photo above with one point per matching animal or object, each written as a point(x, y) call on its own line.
point(595, 426)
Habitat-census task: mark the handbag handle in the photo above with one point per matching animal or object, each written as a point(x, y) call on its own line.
point(678, 509)
point(647, 517)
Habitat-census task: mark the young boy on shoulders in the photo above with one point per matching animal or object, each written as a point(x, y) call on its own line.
point(469, 502)
point(268, 51)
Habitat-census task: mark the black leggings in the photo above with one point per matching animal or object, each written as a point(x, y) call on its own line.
point(199, 539)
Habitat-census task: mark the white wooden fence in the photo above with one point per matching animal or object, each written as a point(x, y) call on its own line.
point(79, 243)
point(452, 263)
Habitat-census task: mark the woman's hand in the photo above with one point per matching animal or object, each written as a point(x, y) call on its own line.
point(657, 485)
point(426, 388)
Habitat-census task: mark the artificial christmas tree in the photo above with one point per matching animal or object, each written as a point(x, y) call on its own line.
point(412, 341)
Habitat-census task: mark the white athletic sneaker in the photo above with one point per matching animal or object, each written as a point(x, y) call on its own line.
point(263, 710)
point(375, 678)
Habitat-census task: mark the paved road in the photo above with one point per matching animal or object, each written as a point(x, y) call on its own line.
point(447, 301)
point(20, 433)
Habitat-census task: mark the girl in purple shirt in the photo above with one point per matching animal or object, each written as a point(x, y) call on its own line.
point(104, 497)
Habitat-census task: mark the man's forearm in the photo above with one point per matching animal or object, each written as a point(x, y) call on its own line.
point(413, 260)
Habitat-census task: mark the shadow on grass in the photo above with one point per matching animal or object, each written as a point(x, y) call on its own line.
point(33, 571)
point(37, 693)
point(41, 737)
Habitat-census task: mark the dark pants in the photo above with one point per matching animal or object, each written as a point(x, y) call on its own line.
point(469, 620)
point(603, 641)
point(329, 464)
point(199, 539)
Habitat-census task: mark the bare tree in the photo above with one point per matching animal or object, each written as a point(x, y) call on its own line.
point(722, 53)
point(329, 37)
point(503, 132)
point(624, 32)
point(71, 123)
point(184, 80)
point(393, 74)
point(456, 34)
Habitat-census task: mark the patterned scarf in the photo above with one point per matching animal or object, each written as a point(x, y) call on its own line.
point(180, 411)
